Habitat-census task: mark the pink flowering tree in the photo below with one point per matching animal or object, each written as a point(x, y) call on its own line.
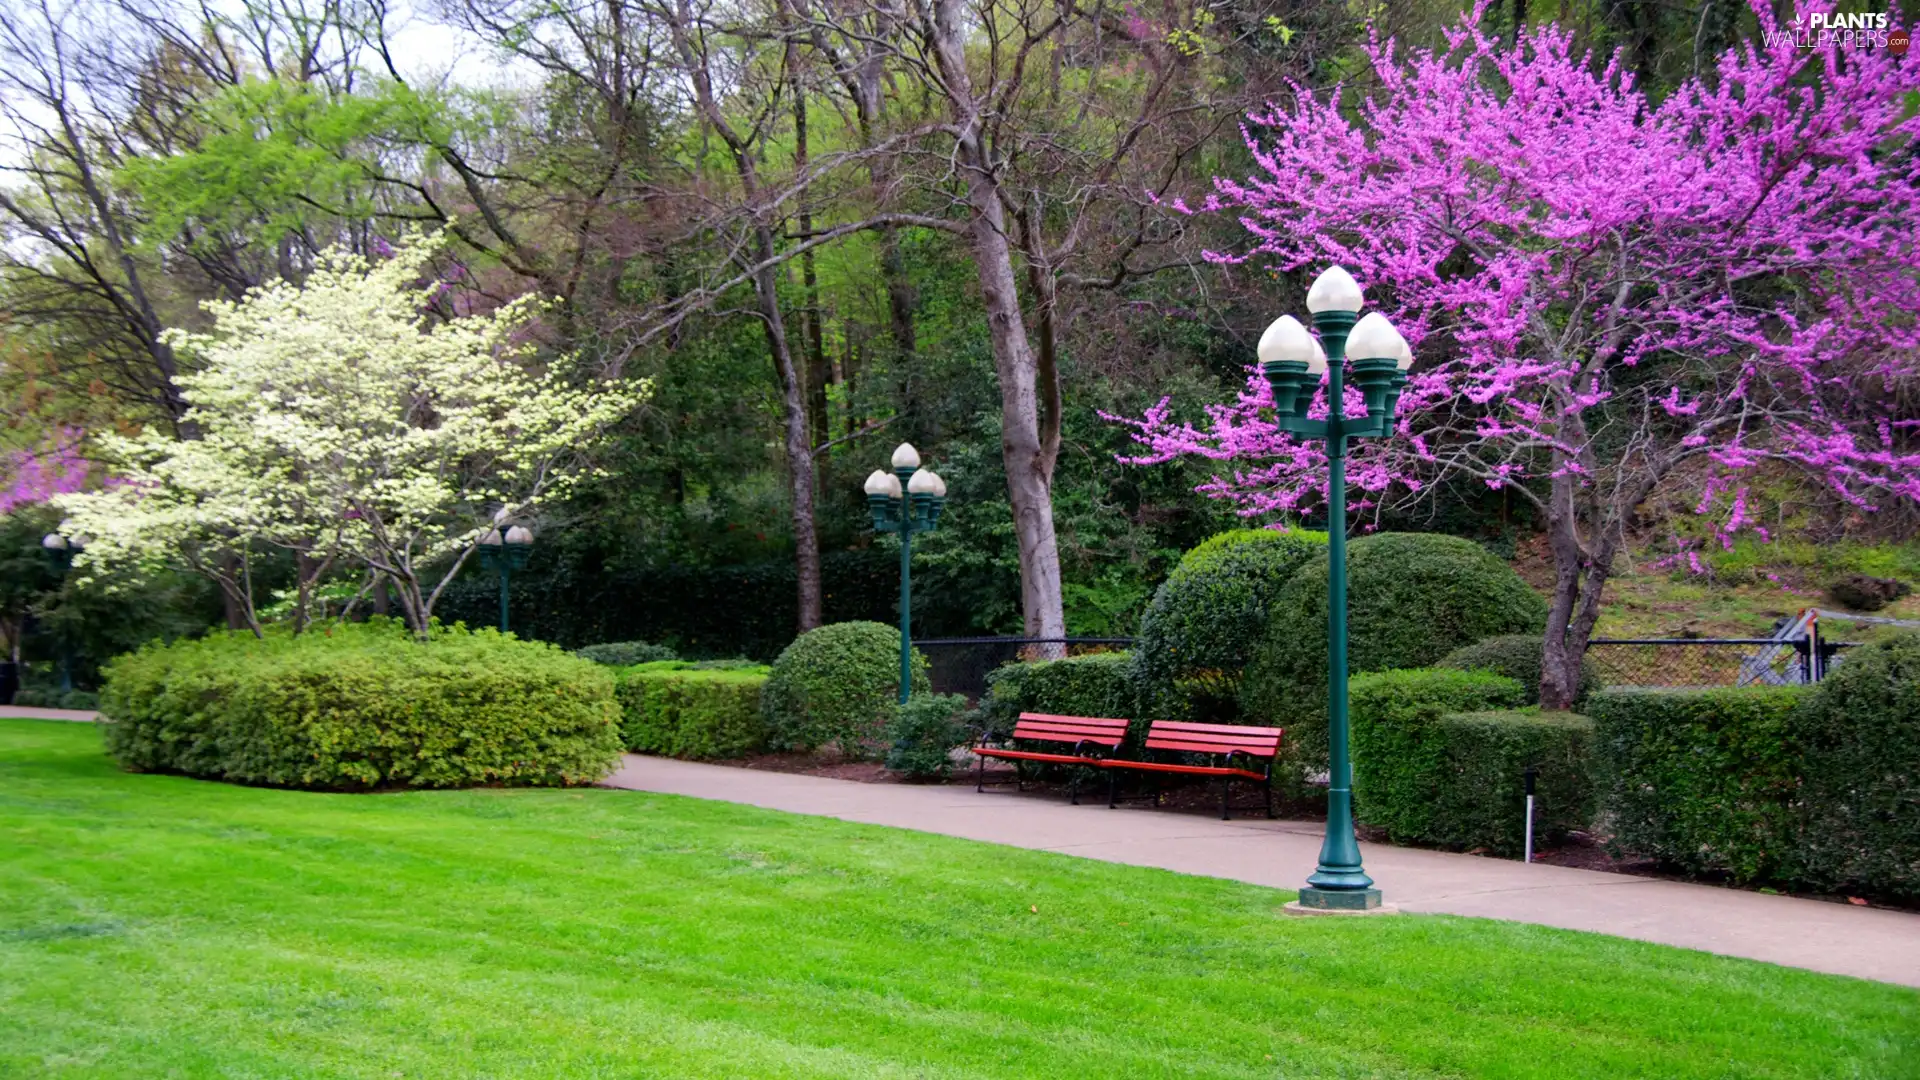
point(31, 477)
point(1608, 297)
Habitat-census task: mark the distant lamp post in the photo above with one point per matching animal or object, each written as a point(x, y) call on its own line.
point(906, 501)
point(1293, 362)
point(60, 551)
point(503, 553)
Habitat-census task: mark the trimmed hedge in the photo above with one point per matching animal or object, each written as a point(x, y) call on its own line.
point(683, 710)
point(358, 706)
point(838, 686)
point(926, 732)
point(1208, 617)
point(1860, 799)
point(1704, 780)
point(1098, 684)
point(83, 700)
point(1412, 598)
point(1439, 758)
point(1517, 656)
point(625, 653)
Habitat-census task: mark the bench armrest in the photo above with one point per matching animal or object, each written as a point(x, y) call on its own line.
point(1080, 749)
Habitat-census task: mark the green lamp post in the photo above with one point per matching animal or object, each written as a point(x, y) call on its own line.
point(503, 553)
point(1293, 362)
point(906, 501)
point(60, 552)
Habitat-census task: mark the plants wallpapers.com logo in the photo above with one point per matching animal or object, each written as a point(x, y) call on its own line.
point(1843, 30)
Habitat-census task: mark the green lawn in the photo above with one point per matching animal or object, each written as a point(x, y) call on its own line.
point(157, 926)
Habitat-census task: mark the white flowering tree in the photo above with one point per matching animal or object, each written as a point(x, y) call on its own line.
point(348, 421)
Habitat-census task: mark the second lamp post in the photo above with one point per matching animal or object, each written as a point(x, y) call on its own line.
point(503, 553)
point(906, 501)
point(1293, 363)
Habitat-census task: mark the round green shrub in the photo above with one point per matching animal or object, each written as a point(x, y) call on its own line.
point(1412, 598)
point(838, 686)
point(1859, 735)
point(358, 706)
point(1210, 615)
point(625, 653)
point(1517, 656)
point(926, 732)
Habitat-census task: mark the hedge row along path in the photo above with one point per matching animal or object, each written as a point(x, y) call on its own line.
point(1869, 943)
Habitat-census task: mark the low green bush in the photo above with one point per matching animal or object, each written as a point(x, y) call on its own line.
point(685, 710)
point(1517, 656)
point(926, 732)
point(1860, 797)
point(357, 706)
point(1704, 780)
point(1412, 599)
point(625, 653)
point(1098, 684)
point(1208, 617)
point(83, 700)
point(1440, 758)
point(838, 686)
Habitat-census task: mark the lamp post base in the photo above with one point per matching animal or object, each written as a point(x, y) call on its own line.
point(1357, 901)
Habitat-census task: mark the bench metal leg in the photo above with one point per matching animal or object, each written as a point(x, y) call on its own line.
point(980, 774)
point(1073, 786)
point(1226, 796)
point(1113, 788)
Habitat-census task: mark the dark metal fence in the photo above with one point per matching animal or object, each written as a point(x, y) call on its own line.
point(960, 665)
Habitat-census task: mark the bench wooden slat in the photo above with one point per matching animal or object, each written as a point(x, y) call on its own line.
point(1046, 727)
point(1214, 729)
point(1267, 749)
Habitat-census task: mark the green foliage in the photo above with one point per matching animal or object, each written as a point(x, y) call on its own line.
point(1860, 734)
point(1098, 684)
point(357, 706)
point(1704, 780)
point(1434, 764)
point(625, 653)
point(1210, 615)
point(1517, 656)
point(926, 731)
point(1412, 598)
point(682, 710)
point(838, 686)
point(83, 700)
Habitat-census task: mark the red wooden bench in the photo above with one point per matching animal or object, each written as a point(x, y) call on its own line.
point(1221, 744)
point(1086, 738)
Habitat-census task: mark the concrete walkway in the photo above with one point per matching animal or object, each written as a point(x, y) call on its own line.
point(1869, 943)
point(29, 713)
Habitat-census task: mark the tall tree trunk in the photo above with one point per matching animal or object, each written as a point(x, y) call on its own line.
point(1029, 466)
point(799, 444)
point(819, 372)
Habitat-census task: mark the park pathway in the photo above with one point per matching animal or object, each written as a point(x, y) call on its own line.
point(1870, 943)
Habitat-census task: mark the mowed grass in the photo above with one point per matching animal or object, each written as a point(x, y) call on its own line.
point(155, 926)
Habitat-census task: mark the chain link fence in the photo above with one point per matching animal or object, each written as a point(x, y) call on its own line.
point(1675, 663)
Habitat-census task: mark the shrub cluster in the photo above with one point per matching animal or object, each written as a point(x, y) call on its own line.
point(1412, 598)
point(838, 686)
point(1440, 757)
point(84, 700)
point(625, 653)
point(1704, 780)
point(1517, 656)
point(687, 710)
point(1859, 735)
point(359, 706)
point(1099, 684)
point(926, 732)
point(1208, 617)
